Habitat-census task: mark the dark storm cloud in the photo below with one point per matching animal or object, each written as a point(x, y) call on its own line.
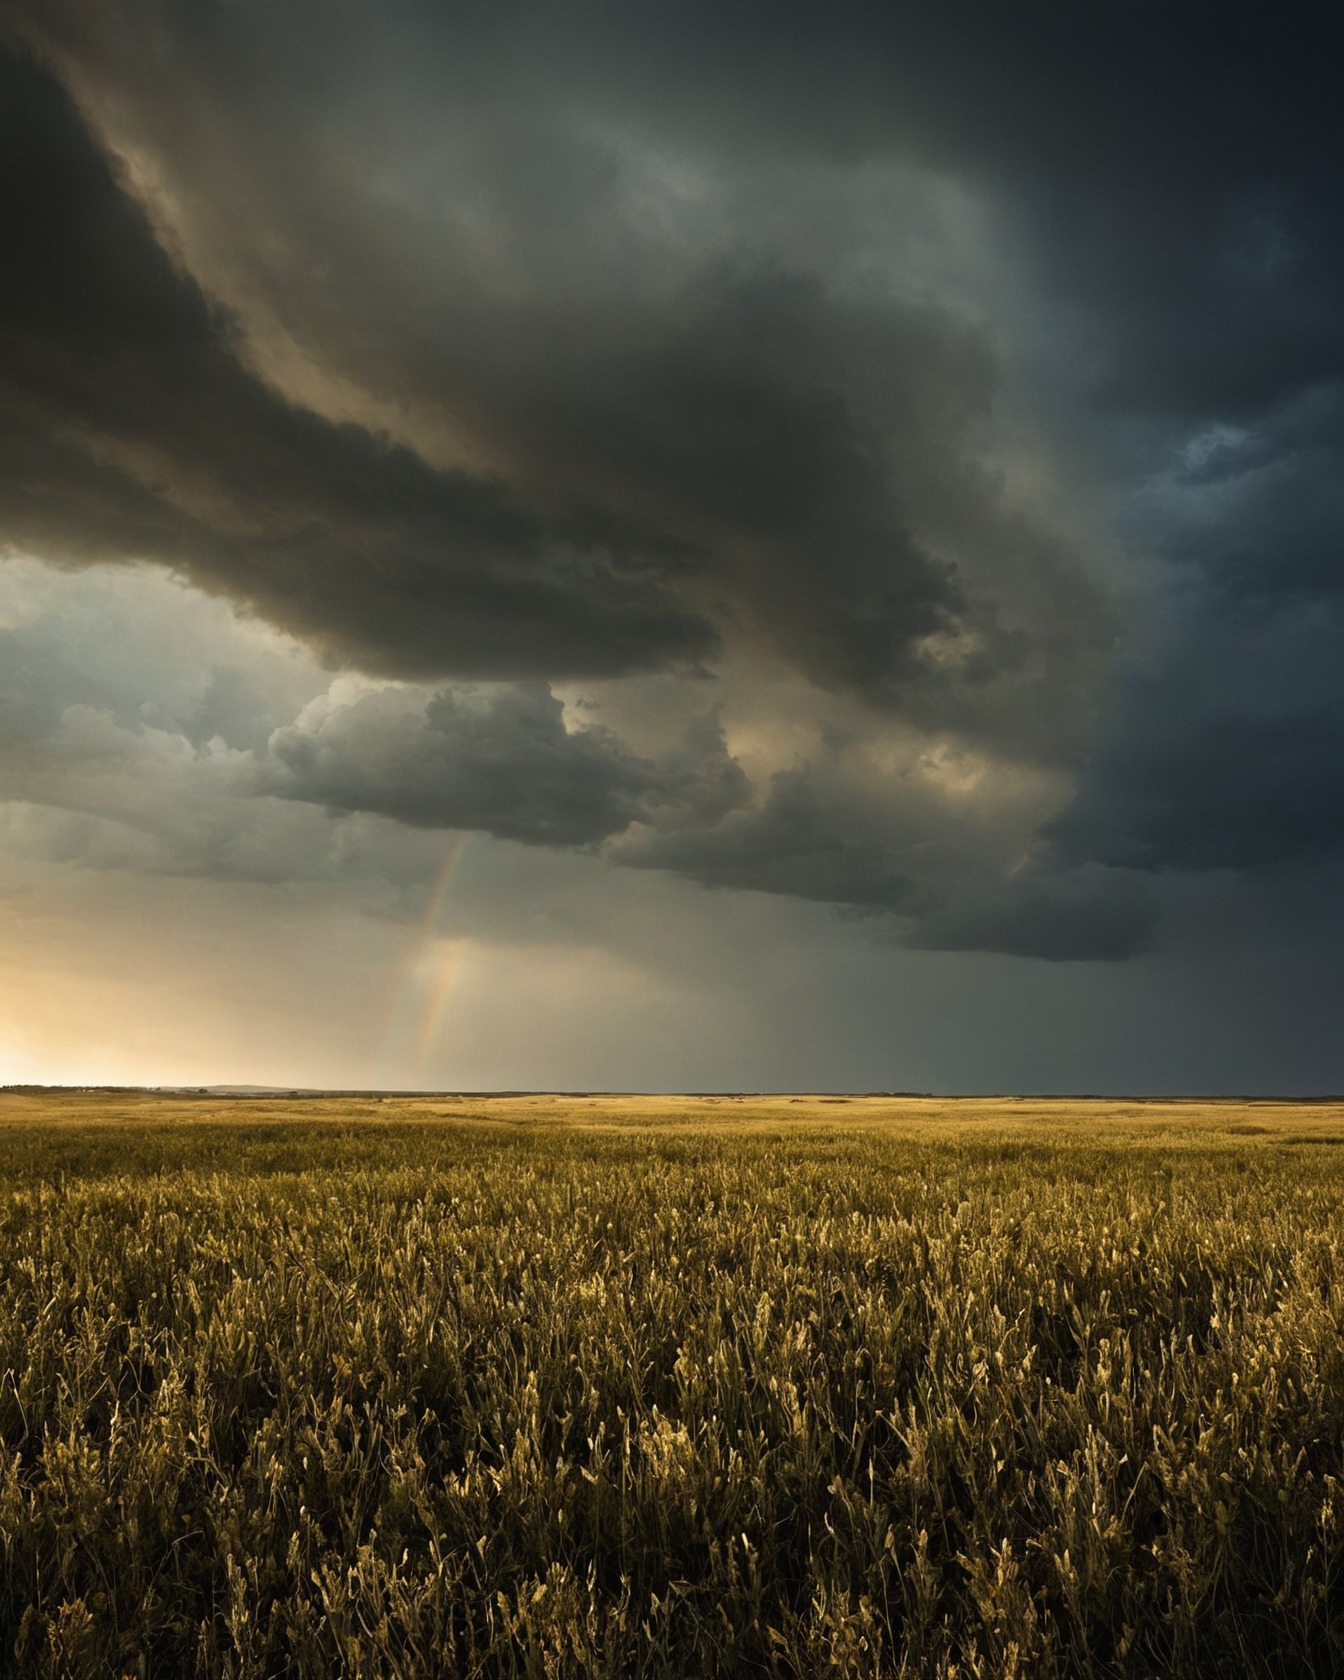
point(790, 843)
point(1259, 510)
point(499, 760)
point(1087, 914)
point(131, 431)
point(710, 436)
point(1226, 746)
point(803, 841)
point(721, 455)
point(1174, 170)
point(1236, 793)
point(1227, 755)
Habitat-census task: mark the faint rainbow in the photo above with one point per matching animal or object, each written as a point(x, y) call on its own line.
point(401, 1024)
point(440, 995)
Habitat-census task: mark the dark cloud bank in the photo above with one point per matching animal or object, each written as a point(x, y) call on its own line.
point(687, 449)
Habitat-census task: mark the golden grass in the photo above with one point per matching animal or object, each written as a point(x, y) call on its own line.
point(1171, 1121)
point(635, 1386)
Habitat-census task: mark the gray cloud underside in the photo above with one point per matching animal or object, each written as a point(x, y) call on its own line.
point(131, 431)
point(500, 760)
point(723, 457)
point(680, 439)
point(253, 768)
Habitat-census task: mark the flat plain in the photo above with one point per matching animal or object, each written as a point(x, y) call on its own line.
point(632, 1386)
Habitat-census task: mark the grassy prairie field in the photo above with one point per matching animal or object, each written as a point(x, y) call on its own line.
point(670, 1387)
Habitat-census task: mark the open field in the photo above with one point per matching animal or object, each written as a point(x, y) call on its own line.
point(670, 1386)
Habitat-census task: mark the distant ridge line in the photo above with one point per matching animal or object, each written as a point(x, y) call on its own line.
point(319, 1092)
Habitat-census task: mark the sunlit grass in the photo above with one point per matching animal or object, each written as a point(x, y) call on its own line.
point(669, 1387)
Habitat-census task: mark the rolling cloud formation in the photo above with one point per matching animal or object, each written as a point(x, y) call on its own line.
point(882, 457)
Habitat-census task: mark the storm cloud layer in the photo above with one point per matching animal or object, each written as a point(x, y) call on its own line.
point(881, 457)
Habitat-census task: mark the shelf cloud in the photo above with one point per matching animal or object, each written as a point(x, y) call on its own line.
point(879, 459)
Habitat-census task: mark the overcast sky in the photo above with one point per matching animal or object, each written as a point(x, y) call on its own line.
point(672, 546)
